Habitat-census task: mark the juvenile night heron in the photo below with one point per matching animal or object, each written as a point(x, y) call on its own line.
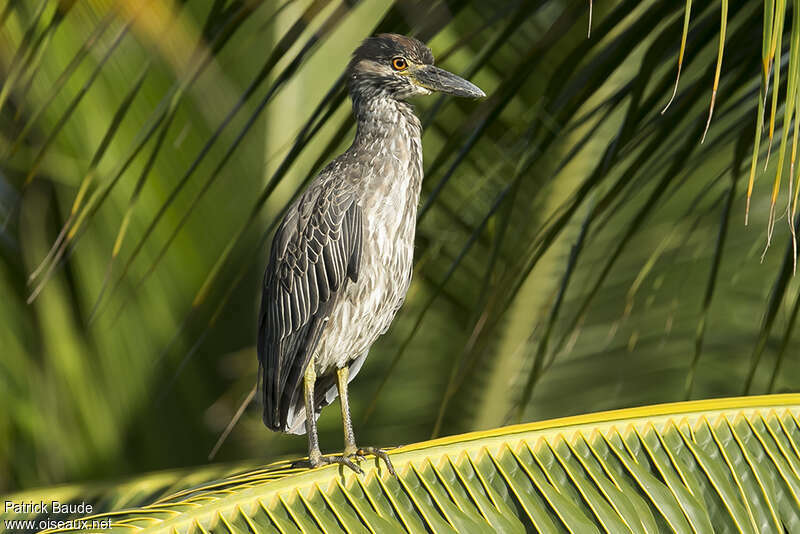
point(341, 259)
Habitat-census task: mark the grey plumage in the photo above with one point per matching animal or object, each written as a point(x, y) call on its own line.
point(341, 260)
point(316, 250)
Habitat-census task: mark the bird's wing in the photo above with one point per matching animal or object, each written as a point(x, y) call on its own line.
point(315, 251)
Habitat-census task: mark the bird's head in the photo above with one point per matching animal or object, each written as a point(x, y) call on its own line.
point(399, 67)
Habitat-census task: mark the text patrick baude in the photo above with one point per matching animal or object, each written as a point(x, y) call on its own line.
point(45, 507)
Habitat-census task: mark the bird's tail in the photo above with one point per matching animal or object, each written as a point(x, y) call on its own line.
point(325, 392)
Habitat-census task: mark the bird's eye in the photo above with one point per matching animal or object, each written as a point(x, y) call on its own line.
point(399, 63)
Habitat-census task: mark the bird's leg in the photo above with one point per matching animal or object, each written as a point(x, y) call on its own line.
point(350, 447)
point(315, 457)
point(310, 377)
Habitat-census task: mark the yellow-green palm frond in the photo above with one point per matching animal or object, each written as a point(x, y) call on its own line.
point(727, 465)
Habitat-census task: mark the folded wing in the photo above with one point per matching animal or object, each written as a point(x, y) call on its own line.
point(315, 252)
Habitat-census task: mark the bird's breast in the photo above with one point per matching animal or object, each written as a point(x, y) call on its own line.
point(390, 191)
point(389, 202)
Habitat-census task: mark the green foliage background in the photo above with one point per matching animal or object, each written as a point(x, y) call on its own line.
point(577, 249)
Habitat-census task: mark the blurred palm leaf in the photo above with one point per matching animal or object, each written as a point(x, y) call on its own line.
point(725, 465)
point(574, 242)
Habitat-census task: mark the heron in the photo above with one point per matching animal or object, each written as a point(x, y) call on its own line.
point(341, 259)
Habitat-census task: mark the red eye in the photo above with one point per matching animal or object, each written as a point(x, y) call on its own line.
point(399, 63)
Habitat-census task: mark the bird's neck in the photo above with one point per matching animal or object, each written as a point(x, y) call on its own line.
point(388, 145)
point(384, 117)
point(389, 131)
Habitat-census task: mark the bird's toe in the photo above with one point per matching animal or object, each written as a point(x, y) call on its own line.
point(341, 460)
point(363, 452)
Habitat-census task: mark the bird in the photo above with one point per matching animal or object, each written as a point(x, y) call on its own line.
point(341, 259)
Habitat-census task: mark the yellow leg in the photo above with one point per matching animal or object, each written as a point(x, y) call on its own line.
point(350, 447)
point(315, 457)
point(309, 378)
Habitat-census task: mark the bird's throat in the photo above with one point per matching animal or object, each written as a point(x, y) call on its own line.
point(388, 147)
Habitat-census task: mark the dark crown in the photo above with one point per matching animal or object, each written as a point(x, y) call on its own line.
point(385, 46)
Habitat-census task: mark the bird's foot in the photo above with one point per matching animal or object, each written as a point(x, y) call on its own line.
point(317, 460)
point(362, 452)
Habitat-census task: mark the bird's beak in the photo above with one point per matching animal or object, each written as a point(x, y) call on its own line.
point(436, 79)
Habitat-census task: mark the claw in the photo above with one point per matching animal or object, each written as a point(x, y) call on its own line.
point(322, 461)
point(345, 459)
point(341, 460)
point(363, 452)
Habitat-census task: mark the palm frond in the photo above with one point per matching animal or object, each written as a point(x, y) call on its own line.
point(707, 466)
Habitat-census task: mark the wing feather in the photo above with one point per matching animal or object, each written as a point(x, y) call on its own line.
point(315, 252)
